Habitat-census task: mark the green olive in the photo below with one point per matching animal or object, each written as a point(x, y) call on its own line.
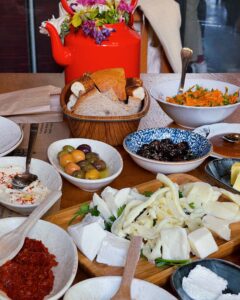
point(79, 174)
point(85, 165)
point(92, 157)
point(68, 148)
point(104, 173)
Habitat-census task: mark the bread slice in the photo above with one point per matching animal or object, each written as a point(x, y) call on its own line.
point(111, 78)
point(94, 103)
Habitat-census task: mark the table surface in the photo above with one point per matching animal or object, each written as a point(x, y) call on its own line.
point(131, 174)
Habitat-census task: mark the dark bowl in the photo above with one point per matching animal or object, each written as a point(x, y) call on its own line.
point(226, 270)
point(220, 170)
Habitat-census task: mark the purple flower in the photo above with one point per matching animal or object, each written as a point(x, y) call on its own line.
point(88, 27)
point(124, 6)
point(91, 2)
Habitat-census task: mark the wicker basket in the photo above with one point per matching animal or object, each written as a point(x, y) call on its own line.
point(111, 130)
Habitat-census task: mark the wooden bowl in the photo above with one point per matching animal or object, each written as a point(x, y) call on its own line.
point(109, 129)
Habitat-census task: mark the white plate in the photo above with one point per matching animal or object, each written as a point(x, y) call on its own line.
point(215, 129)
point(103, 288)
point(10, 137)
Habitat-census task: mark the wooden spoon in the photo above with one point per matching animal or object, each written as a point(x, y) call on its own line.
point(124, 291)
point(12, 242)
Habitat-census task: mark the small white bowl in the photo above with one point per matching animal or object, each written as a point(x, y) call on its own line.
point(189, 116)
point(45, 172)
point(109, 154)
point(58, 243)
point(104, 288)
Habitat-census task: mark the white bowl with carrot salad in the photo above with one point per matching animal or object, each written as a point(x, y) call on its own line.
point(203, 102)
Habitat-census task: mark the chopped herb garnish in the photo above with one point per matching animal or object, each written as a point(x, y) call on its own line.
point(147, 193)
point(192, 205)
point(120, 210)
point(180, 194)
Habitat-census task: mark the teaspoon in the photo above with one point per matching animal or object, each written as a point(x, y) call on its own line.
point(20, 181)
point(186, 54)
point(232, 137)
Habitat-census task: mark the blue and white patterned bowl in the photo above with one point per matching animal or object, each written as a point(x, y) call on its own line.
point(199, 145)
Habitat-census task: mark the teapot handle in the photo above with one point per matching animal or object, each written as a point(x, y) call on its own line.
point(133, 4)
point(67, 7)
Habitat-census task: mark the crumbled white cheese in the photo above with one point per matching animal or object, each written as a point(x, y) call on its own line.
point(203, 284)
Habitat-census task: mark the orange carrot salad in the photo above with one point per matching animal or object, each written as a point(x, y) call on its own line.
point(199, 96)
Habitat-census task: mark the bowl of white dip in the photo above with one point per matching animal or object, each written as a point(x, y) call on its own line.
point(25, 200)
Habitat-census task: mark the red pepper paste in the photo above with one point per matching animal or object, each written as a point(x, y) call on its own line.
point(29, 275)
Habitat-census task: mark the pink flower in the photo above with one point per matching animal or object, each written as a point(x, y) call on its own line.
point(124, 6)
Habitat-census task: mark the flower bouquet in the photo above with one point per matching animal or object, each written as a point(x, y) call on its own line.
point(91, 16)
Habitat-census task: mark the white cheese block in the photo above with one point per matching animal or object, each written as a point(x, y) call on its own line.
point(175, 243)
point(203, 284)
point(218, 226)
point(222, 210)
point(113, 251)
point(88, 238)
point(91, 219)
point(202, 242)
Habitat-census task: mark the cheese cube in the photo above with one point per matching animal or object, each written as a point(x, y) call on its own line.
point(235, 170)
point(218, 226)
point(236, 185)
point(202, 242)
point(175, 243)
point(113, 251)
point(88, 238)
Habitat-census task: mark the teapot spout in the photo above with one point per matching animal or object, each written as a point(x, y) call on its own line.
point(61, 54)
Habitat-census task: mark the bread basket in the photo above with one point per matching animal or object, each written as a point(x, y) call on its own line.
point(109, 129)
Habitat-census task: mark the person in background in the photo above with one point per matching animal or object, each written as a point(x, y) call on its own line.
point(193, 37)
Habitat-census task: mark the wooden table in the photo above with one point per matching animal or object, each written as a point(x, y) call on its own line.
point(131, 174)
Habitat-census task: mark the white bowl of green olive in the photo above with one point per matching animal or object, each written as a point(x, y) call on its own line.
point(88, 164)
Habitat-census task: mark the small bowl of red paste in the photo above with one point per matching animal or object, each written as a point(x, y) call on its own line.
point(45, 266)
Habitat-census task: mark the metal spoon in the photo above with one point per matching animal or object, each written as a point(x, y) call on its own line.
point(232, 137)
point(186, 54)
point(124, 291)
point(20, 181)
point(12, 242)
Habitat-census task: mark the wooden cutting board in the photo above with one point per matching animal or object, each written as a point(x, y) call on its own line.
point(145, 270)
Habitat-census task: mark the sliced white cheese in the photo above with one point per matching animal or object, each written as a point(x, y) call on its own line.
point(203, 284)
point(101, 206)
point(88, 238)
point(175, 243)
point(202, 242)
point(113, 251)
point(218, 226)
point(222, 210)
point(72, 101)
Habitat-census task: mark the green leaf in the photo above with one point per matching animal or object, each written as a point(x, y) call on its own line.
point(160, 262)
point(112, 218)
point(147, 193)
point(83, 210)
point(94, 211)
point(120, 210)
point(76, 20)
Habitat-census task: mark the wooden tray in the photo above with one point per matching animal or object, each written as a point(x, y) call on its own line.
point(145, 270)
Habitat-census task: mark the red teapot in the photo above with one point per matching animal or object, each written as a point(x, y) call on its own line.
point(81, 54)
